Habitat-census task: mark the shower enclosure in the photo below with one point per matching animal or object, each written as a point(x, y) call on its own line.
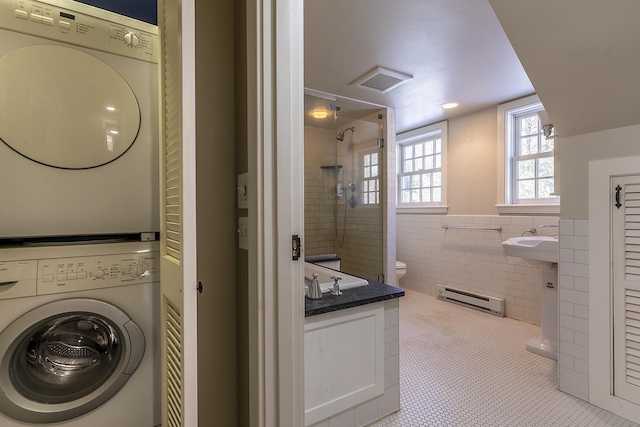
point(344, 188)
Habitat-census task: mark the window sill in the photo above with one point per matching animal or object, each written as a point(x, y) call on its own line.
point(529, 209)
point(422, 210)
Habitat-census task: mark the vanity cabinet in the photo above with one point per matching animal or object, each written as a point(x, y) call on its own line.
point(344, 360)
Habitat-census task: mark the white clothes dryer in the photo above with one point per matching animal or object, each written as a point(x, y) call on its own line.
point(79, 335)
point(78, 121)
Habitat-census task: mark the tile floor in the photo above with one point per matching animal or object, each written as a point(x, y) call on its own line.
point(461, 367)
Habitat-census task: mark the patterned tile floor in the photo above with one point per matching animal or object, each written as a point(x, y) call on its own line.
point(461, 367)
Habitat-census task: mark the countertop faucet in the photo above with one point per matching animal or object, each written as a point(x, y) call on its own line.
point(336, 287)
point(314, 288)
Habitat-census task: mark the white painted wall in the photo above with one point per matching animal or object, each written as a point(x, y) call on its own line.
point(472, 167)
point(576, 153)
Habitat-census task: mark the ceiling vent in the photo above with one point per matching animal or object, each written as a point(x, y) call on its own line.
point(382, 79)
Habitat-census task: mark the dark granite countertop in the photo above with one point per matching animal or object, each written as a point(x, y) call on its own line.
point(322, 258)
point(354, 297)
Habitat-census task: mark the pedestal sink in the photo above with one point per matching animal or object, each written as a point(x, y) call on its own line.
point(541, 251)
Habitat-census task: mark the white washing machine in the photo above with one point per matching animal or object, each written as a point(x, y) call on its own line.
point(78, 121)
point(79, 335)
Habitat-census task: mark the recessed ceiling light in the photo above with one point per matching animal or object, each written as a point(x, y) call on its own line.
point(449, 105)
point(320, 114)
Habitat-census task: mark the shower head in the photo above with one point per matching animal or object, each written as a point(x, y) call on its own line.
point(340, 136)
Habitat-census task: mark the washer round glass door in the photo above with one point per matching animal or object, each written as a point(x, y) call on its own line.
point(66, 358)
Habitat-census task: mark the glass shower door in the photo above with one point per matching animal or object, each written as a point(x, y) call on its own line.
point(344, 169)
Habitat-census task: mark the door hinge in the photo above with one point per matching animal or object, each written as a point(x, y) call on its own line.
point(295, 247)
point(199, 287)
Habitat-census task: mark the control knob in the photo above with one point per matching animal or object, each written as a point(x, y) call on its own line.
point(131, 39)
point(99, 273)
point(140, 270)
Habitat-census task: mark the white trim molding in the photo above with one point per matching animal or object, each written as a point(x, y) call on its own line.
point(275, 130)
point(422, 210)
point(528, 209)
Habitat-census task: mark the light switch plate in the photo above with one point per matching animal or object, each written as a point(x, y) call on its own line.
point(243, 199)
point(243, 232)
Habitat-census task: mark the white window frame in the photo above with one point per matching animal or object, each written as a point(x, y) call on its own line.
point(506, 114)
point(361, 192)
point(412, 136)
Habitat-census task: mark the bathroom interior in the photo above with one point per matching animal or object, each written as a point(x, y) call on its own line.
point(460, 244)
point(461, 248)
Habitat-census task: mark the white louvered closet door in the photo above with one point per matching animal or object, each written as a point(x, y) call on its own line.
point(178, 346)
point(626, 287)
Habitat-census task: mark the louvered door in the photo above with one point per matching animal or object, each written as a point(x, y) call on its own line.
point(178, 308)
point(626, 287)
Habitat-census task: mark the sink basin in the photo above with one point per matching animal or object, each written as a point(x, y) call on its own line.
point(541, 251)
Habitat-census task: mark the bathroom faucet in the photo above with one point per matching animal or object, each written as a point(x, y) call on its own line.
point(336, 287)
point(314, 288)
point(532, 230)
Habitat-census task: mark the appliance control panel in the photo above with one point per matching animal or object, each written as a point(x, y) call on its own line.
point(57, 275)
point(92, 28)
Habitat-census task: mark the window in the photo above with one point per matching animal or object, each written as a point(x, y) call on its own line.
point(370, 179)
point(531, 161)
point(421, 162)
point(527, 176)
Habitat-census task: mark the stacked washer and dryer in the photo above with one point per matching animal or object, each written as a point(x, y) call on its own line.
point(79, 263)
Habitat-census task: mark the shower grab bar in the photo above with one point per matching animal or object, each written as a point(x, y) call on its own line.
point(455, 227)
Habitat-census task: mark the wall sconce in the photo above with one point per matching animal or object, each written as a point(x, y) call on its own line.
point(546, 125)
point(547, 131)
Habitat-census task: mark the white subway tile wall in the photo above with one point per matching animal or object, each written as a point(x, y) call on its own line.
point(389, 402)
point(470, 259)
point(573, 271)
point(319, 192)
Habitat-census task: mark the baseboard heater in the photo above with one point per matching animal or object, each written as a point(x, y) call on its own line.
point(470, 299)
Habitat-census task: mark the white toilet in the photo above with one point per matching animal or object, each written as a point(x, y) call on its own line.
point(401, 270)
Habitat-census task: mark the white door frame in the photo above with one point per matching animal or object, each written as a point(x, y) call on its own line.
point(276, 212)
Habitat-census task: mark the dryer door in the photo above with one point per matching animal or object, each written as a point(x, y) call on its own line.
point(65, 108)
point(66, 358)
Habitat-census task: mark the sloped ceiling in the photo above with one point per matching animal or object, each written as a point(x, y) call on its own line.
point(454, 49)
point(582, 57)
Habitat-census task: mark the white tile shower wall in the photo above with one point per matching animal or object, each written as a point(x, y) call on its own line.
point(319, 192)
point(361, 252)
point(389, 402)
point(470, 259)
point(573, 282)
